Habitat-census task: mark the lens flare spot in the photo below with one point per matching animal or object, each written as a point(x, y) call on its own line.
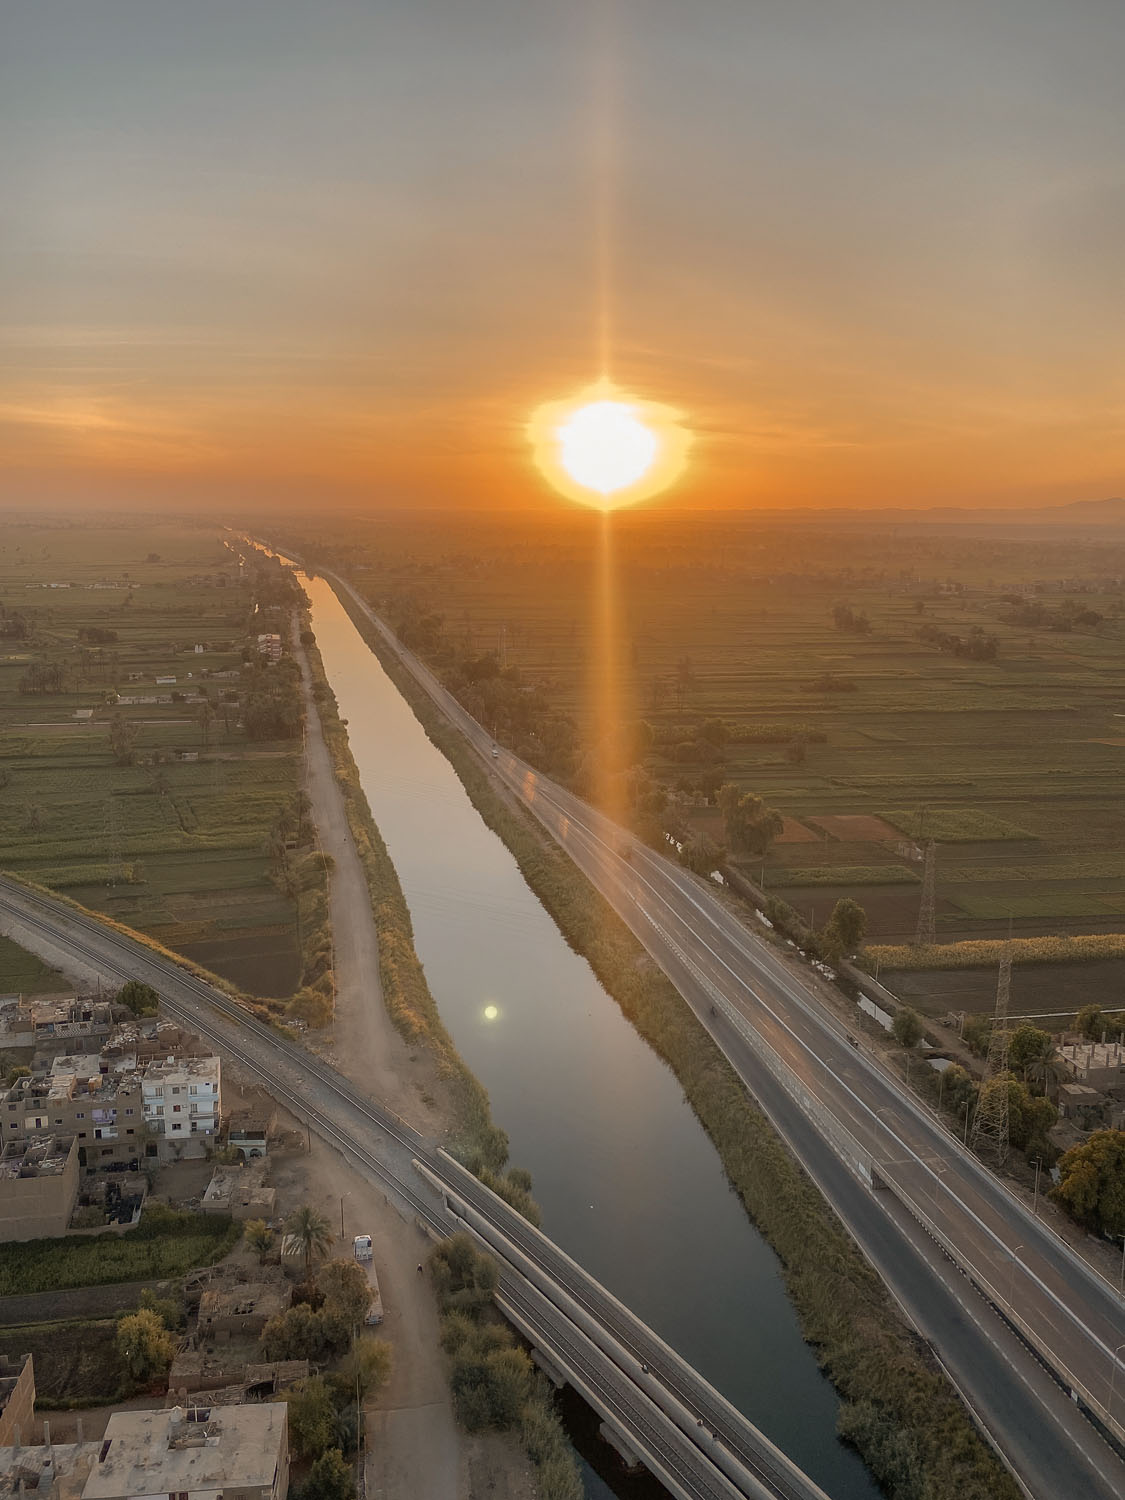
point(606, 448)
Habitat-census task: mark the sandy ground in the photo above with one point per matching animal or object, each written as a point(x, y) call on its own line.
point(362, 1043)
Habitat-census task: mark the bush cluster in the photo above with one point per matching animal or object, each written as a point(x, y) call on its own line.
point(494, 1383)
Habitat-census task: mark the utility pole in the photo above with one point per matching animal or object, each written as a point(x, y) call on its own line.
point(990, 1122)
point(926, 935)
point(113, 841)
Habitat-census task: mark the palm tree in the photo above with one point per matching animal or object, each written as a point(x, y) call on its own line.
point(1045, 1067)
point(312, 1232)
point(259, 1236)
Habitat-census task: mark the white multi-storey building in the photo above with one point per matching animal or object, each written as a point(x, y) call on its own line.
point(183, 1098)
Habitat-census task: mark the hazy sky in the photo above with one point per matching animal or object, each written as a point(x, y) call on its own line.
point(872, 249)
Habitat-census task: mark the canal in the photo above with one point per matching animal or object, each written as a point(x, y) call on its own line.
point(628, 1181)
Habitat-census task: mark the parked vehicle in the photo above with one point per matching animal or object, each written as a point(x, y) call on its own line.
point(364, 1254)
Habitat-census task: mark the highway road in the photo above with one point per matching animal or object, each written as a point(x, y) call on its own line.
point(1006, 1270)
point(656, 1409)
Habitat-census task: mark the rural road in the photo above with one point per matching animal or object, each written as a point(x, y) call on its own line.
point(771, 1024)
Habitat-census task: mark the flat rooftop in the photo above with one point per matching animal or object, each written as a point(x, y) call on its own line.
point(200, 1448)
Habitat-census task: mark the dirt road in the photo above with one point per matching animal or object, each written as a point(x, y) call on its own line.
point(362, 1043)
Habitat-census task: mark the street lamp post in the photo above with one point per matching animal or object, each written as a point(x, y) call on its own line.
point(1113, 1377)
point(342, 1197)
point(875, 1127)
point(1012, 1275)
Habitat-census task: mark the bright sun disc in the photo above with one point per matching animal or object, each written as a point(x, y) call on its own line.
point(606, 448)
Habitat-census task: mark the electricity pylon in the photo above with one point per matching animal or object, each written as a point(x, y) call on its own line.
point(926, 934)
point(990, 1121)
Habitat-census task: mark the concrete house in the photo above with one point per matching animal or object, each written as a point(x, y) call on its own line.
point(194, 1453)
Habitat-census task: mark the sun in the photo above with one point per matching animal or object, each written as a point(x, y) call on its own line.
point(605, 448)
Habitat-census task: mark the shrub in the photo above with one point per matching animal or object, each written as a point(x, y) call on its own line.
point(312, 1417)
point(346, 1291)
point(144, 1344)
point(366, 1366)
point(1092, 1182)
point(330, 1478)
point(490, 1384)
point(907, 1027)
point(301, 1333)
point(845, 928)
point(141, 999)
point(465, 1279)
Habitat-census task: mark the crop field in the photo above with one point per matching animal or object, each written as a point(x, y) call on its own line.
point(175, 843)
point(1013, 765)
point(23, 973)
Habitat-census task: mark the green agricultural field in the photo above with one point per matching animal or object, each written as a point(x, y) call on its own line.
point(165, 1243)
point(1017, 760)
point(857, 875)
point(955, 825)
point(21, 973)
point(175, 843)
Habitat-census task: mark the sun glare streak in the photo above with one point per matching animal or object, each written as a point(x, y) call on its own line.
point(608, 449)
point(607, 683)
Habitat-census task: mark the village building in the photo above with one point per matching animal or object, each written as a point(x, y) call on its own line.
point(120, 1108)
point(50, 1471)
point(241, 1192)
point(1083, 1106)
point(182, 1103)
point(38, 1187)
point(1100, 1065)
point(17, 1399)
point(194, 1453)
point(240, 1311)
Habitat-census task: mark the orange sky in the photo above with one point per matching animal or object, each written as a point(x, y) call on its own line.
point(872, 251)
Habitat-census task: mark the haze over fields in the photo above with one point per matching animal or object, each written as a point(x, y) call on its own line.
point(257, 252)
